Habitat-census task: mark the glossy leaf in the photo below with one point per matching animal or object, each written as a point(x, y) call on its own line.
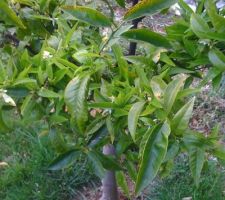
point(147, 7)
point(171, 93)
point(88, 15)
point(148, 36)
point(196, 161)
point(181, 119)
point(153, 155)
point(64, 160)
point(75, 98)
point(217, 58)
point(133, 116)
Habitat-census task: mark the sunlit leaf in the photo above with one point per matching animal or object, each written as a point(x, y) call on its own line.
point(147, 7)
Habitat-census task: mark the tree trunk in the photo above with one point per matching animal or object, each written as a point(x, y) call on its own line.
point(109, 186)
point(133, 45)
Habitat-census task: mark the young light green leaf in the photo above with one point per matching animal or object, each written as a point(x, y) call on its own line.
point(196, 161)
point(153, 155)
point(158, 86)
point(88, 15)
point(64, 160)
point(11, 14)
point(75, 98)
point(133, 116)
point(43, 92)
point(171, 93)
point(148, 36)
point(147, 7)
point(181, 119)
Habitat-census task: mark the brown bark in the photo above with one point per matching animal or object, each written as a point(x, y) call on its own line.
point(109, 185)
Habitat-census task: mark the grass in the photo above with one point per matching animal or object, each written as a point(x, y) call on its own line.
point(179, 183)
point(27, 176)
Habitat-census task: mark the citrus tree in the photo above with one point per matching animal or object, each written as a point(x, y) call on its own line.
point(128, 115)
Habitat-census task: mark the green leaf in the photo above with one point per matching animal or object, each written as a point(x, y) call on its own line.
point(26, 82)
point(202, 30)
point(217, 58)
point(75, 98)
point(122, 63)
point(64, 160)
point(148, 36)
point(217, 20)
point(187, 92)
point(216, 82)
point(181, 119)
point(43, 92)
point(98, 137)
point(196, 161)
point(185, 7)
point(173, 150)
point(11, 14)
point(121, 3)
point(94, 126)
point(158, 86)
point(198, 24)
point(153, 155)
point(133, 116)
point(109, 162)
point(219, 151)
point(171, 93)
point(147, 7)
point(27, 106)
point(96, 163)
point(121, 181)
point(3, 125)
point(88, 15)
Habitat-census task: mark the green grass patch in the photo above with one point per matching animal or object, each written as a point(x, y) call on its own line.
point(179, 183)
point(27, 176)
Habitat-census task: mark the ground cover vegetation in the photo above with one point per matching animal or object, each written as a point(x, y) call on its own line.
point(62, 67)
